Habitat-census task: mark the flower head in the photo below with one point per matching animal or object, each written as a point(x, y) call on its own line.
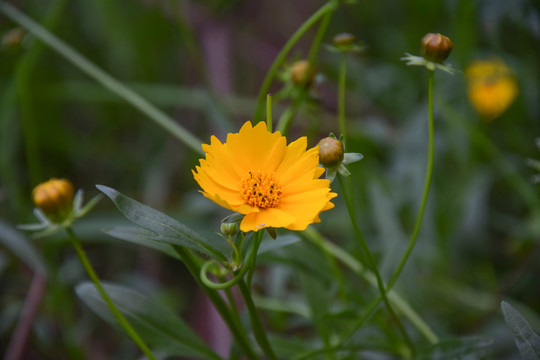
point(491, 87)
point(257, 174)
point(436, 47)
point(333, 158)
point(54, 197)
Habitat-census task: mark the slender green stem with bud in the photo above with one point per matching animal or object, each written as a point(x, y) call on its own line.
point(117, 314)
point(272, 72)
point(427, 185)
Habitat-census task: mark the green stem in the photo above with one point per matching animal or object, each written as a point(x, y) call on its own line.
point(102, 77)
point(272, 72)
point(317, 41)
point(258, 329)
point(117, 314)
point(248, 266)
point(232, 322)
point(286, 117)
point(427, 184)
point(373, 265)
point(341, 96)
point(269, 125)
point(348, 260)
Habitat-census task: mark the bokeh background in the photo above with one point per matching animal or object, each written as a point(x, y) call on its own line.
point(202, 63)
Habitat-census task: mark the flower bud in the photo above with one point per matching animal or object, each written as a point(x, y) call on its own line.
point(229, 228)
point(436, 47)
point(344, 39)
point(302, 72)
point(54, 198)
point(13, 39)
point(331, 152)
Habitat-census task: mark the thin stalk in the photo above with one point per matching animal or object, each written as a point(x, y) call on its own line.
point(258, 329)
point(280, 58)
point(286, 117)
point(232, 321)
point(269, 125)
point(102, 77)
point(341, 96)
point(427, 184)
point(373, 265)
point(117, 314)
point(321, 31)
point(352, 263)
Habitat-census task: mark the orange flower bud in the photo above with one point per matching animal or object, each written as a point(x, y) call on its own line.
point(436, 47)
point(54, 197)
point(344, 39)
point(331, 152)
point(302, 72)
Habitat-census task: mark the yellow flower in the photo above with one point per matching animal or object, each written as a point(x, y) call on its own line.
point(492, 87)
point(257, 174)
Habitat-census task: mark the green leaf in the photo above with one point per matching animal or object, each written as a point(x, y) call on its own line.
point(164, 228)
point(157, 325)
point(470, 348)
point(281, 241)
point(527, 341)
point(22, 248)
point(140, 236)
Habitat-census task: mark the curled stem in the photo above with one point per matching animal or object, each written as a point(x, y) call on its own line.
point(238, 275)
point(226, 313)
point(427, 184)
point(117, 314)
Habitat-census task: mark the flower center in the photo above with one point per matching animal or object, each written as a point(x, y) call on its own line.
point(261, 190)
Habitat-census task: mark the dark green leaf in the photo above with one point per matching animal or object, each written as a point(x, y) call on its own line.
point(527, 341)
point(21, 247)
point(140, 236)
point(165, 229)
point(157, 325)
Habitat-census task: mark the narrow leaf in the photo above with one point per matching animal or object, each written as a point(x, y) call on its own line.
point(140, 236)
point(527, 341)
point(159, 326)
point(165, 229)
point(21, 247)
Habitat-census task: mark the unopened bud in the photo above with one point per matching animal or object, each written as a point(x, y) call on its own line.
point(229, 228)
point(331, 151)
point(436, 47)
point(344, 39)
point(302, 72)
point(54, 198)
point(13, 38)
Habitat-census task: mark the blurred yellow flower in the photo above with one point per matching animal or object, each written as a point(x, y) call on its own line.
point(257, 174)
point(491, 87)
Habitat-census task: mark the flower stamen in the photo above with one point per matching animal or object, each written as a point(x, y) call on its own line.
point(261, 190)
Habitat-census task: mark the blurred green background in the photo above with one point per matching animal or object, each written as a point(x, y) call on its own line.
point(202, 63)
